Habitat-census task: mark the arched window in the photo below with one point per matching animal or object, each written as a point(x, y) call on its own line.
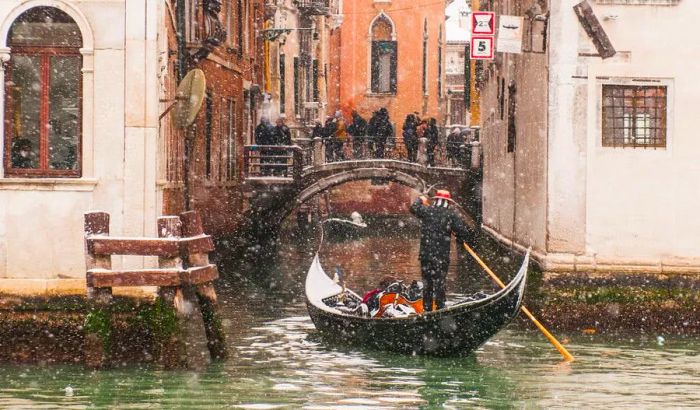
point(43, 95)
point(383, 56)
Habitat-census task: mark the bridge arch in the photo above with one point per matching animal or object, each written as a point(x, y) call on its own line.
point(355, 174)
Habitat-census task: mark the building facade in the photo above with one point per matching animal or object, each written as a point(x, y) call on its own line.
point(222, 38)
point(458, 35)
point(589, 136)
point(298, 57)
point(389, 55)
point(86, 88)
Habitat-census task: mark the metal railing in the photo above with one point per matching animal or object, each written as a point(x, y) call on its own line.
point(454, 151)
point(445, 153)
point(281, 161)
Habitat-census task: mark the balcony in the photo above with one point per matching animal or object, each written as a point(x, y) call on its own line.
point(313, 7)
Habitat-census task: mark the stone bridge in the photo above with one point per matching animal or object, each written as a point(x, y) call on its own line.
point(295, 175)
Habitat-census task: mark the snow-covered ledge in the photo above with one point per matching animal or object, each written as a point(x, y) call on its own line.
point(48, 184)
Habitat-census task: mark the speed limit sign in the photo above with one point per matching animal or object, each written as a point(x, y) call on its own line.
point(481, 48)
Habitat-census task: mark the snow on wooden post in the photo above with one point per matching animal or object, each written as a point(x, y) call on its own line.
point(98, 320)
point(198, 245)
point(173, 350)
point(96, 224)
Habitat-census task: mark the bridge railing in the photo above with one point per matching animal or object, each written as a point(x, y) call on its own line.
point(281, 161)
point(446, 153)
point(288, 161)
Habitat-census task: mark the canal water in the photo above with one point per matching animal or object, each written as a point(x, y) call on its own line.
point(278, 359)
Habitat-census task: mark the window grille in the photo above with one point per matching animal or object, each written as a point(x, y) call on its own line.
point(634, 116)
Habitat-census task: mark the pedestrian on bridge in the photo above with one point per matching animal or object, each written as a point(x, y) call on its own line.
point(329, 130)
point(282, 134)
point(410, 136)
point(341, 137)
point(438, 223)
point(380, 130)
point(432, 134)
point(357, 130)
point(265, 135)
point(264, 132)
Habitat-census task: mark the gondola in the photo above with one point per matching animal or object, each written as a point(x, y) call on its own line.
point(458, 329)
point(337, 230)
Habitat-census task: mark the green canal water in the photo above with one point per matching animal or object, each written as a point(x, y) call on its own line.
point(279, 361)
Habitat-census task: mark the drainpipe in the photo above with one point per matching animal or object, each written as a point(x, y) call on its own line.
point(180, 32)
point(181, 42)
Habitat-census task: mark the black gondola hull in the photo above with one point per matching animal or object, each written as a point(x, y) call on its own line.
point(457, 330)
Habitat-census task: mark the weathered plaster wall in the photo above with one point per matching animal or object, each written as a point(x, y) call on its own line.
point(41, 220)
point(641, 204)
point(515, 183)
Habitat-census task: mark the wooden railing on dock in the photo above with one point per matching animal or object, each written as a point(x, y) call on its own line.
point(183, 273)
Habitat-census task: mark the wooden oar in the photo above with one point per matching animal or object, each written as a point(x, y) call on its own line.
point(567, 356)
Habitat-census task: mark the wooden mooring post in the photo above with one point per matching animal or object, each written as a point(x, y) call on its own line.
point(184, 277)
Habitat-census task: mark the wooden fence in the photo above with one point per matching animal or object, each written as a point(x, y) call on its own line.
point(183, 274)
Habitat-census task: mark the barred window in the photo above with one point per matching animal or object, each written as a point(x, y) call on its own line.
point(634, 116)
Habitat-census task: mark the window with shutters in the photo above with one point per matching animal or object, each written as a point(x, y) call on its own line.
point(384, 54)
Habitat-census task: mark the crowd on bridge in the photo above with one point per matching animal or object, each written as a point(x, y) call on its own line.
point(357, 138)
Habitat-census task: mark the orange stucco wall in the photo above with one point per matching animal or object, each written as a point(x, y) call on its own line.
point(354, 44)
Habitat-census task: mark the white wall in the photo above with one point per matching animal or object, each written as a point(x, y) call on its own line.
point(641, 204)
point(41, 220)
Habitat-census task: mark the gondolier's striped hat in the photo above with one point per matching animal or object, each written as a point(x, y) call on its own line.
point(442, 197)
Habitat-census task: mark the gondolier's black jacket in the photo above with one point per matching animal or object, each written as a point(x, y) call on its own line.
point(437, 226)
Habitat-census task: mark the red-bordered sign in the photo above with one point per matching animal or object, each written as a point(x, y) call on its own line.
point(481, 48)
point(484, 23)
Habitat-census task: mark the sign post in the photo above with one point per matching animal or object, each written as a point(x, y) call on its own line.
point(481, 48)
point(484, 23)
point(483, 29)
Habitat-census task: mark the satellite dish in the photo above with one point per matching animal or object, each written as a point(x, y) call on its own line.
point(189, 97)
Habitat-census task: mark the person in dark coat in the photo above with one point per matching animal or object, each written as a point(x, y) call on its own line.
point(265, 135)
point(282, 135)
point(454, 147)
point(432, 134)
point(264, 132)
point(410, 137)
point(371, 132)
point(380, 131)
point(438, 223)
point(357, 130)
point(329, 130)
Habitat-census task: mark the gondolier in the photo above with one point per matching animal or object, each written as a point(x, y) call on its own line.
point(438, 223)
